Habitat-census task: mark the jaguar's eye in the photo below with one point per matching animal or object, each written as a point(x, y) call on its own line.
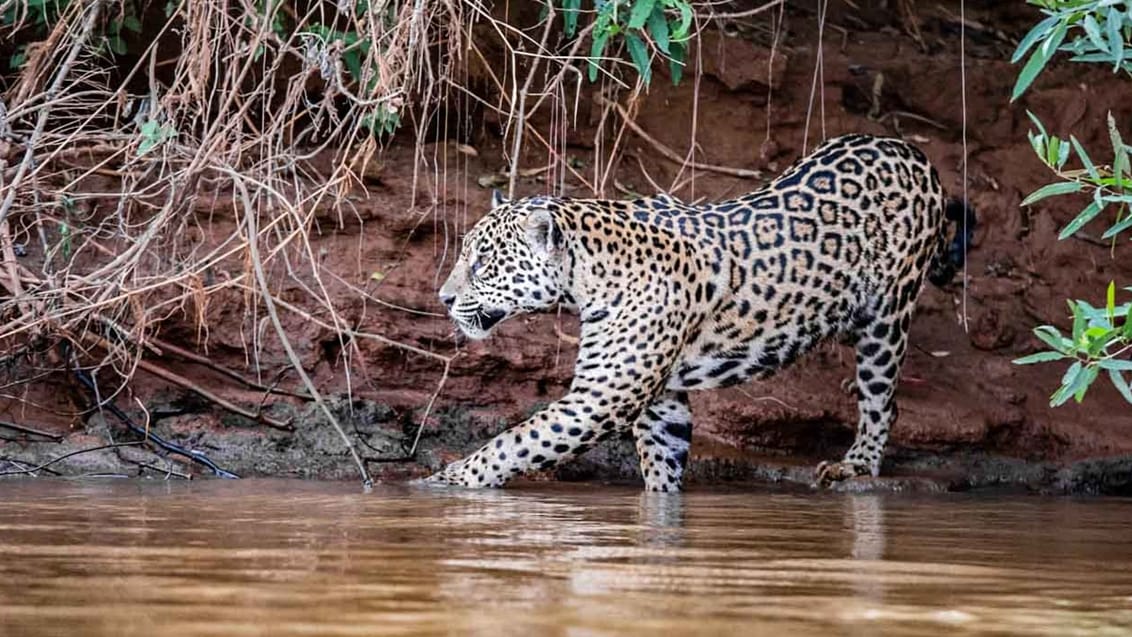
point(476, 265)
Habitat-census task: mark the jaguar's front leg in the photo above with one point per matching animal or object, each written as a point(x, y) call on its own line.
point(664, 436)
point(610, 390)
point(563, 431)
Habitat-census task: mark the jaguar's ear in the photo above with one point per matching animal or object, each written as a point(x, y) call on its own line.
point(542, 232)
point(497, 198)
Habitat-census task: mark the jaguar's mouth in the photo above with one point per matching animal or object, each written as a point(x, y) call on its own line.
point(489, 318)
point(477, 323)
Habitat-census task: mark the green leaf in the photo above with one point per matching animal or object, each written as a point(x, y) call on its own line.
point(1049, 190)
point(1037, 122)
point(658, 29)
point(1052, 337)
point(1081, 384)
point(1068, 385)
point(570, 12)
point(1117, 364)
point(1071, 374)
point(1120, 159)
point(1038, 142)
point(1037, 33)
point(1040, 357)
point(597, 48)
point(65, 236)
point(680, 33)
point(1057, 36)
point(153, 135)
point(639, 53)
point(18, 59)
point(1038, 61)
point(1110, 301)
point(1098, 338)
point(131, 23)
point(1093, 30)
point(1087, 215)
point(1085, 160)
point(1062, 153)
point(676, 64)
point(1113, 23)
point(1100, 57)
point(640, 13)
point(353, 62)
point(1121, 385)
point(1118, 228)
point(1098, 316)
point(1079, 323)
point(1084, 308)
point(117, 45)
point(1053, 150)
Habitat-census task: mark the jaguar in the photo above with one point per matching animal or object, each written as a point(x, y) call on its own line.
point(673, 298)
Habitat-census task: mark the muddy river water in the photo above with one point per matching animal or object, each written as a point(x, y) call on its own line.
point(221, 558)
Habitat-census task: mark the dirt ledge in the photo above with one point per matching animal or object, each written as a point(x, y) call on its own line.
point(314, 451)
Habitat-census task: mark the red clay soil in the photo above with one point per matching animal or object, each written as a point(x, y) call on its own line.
point(960, 396)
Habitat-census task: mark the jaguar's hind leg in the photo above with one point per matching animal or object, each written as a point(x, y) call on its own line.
point(880, 353)
point(664, 434)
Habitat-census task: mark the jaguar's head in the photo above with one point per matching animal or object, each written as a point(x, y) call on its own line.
point(511, 263)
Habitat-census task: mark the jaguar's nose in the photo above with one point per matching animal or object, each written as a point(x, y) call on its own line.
point(447, 299)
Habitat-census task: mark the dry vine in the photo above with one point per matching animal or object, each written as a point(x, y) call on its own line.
point(104, 171)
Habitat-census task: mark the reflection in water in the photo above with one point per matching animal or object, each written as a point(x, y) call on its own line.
point(661, 519)
point(281, 558)
point(865, 513)
point(865, 520)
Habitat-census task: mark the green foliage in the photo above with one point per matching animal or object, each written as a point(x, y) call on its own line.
point(154, 135)
point(1098, 31)
point(264, 9)
point(128, 20)
point(39, 14)
point(1101, 339)
point(645, 26)
point(17, 60)
point(354, 47)
point(1110, 184)
point(382, 122)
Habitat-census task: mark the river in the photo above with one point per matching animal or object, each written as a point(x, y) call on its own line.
point(271, 557)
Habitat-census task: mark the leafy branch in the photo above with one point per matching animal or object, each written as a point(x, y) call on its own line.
point(1100, 340)
point(665, 25)
point(1097, 31)
point(1101, 30)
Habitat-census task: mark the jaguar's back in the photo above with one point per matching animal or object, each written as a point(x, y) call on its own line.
point(844, 235)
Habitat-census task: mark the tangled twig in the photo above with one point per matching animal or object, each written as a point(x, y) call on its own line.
point(87, 381)
point(61, 74)
point(250, 215)
point(670, 154)
point(42, 466)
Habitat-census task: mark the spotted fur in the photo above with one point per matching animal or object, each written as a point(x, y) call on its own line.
point(674, 298)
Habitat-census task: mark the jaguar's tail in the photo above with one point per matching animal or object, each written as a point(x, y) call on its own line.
point(952, 252)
